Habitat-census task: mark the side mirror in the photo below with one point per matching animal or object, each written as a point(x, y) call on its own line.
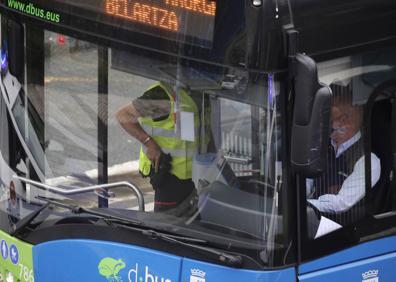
point(16, 46)
point(311, 119)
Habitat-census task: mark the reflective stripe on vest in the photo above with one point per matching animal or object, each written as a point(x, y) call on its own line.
point(169, 140)
point(155, 131)
point(176, 153)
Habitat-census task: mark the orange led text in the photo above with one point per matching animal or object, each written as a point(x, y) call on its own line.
point(143, 13)
point(199, 6)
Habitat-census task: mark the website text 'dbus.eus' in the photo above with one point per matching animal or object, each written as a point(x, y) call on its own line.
point(32, 10)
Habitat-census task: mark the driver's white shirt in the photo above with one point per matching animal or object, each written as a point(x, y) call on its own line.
point(353, 188)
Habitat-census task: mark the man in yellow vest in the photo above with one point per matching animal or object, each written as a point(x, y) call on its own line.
point(166, 154)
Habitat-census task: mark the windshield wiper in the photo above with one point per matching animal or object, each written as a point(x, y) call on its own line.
point(21, 225)
point(79, 210)
point(222, 256)
point(138, 226)
point(27, 220)
point(151, 232)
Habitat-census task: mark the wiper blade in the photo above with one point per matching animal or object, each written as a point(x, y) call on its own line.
point(222, 256)
point(154, 234)
point(138, 226)
point(27, 220)
point(79, 210)
point(119, 221)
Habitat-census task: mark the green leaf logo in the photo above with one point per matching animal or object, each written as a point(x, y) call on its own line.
point(109, 268)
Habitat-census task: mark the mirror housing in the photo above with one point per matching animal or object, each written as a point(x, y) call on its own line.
point(15, 47)
point(311, 119)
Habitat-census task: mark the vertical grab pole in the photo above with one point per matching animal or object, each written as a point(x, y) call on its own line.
point(103, 90)
point(393, 181)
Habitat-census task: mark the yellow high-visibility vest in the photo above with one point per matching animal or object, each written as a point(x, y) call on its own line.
point(168, 139)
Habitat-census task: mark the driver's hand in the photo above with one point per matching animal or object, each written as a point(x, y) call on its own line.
point(334, 189)
point(154, 154)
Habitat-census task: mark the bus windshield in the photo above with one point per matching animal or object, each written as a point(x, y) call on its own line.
point(202, 143)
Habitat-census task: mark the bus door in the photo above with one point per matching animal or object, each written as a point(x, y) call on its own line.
point(19, 198)
point(356, 192)
point(59, 149)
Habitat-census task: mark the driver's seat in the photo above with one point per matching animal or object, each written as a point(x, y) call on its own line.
point(381, 145)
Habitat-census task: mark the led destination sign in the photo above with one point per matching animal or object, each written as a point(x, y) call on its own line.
point(193, 18)
point(189, 21)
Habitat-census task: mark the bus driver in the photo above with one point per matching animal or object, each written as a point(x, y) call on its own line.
point(343, 183)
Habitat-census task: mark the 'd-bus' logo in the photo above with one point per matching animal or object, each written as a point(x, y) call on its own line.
point(109, 268)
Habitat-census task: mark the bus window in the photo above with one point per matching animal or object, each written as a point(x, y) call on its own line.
point(123, 149)
point(205, 154)
point(217, 145)
point(339, 194)
point(71, 108)
point(219, 165)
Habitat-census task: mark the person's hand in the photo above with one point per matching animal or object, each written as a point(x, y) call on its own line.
point(154, 154)
point(334, 189)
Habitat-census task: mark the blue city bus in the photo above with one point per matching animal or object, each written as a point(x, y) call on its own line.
point(294, 132)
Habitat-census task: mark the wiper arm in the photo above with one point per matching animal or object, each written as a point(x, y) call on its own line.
point(152, 233)
point(138, 226)
point(21, 225)
point(119, 221)
point(224, 257)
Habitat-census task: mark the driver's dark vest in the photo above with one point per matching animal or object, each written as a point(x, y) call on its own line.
point(338, 169)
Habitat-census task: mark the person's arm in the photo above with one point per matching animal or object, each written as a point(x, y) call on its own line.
point(352, 189)
point(128, 117)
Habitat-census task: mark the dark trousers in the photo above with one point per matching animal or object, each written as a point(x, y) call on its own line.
point(170, 191)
